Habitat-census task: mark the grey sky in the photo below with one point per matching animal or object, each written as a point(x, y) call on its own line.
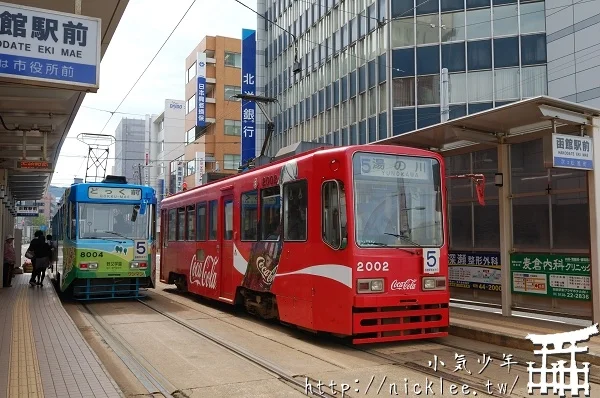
point(142, 30)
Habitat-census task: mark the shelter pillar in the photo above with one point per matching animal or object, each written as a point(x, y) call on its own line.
point(505, 222)
point(593, 131)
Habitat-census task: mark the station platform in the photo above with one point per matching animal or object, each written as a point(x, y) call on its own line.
point(489, 326)
point(42, 353)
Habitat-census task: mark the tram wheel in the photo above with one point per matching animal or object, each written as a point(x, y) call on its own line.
point(181, 284)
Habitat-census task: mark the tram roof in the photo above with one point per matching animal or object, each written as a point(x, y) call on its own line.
point(514, 122)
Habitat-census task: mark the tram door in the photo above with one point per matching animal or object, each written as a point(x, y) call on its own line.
point(226, 254)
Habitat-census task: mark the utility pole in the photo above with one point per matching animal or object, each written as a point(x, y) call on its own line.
point(260, 100)
point(140, 173)
point(444, 94)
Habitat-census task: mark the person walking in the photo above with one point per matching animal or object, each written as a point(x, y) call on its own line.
point(54, 251)
point(9, 261)
point(42, 253)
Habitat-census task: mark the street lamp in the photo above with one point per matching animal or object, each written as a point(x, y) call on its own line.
point(260, 100)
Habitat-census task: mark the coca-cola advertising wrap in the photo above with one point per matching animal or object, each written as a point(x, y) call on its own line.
point(264, 256)
point(204, 273)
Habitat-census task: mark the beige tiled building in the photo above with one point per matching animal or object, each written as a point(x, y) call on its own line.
point(220, 140)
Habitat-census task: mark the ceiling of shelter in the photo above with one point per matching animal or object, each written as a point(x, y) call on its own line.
point(41, 111)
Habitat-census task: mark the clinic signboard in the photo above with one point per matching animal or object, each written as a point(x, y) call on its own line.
point(572, 152)
point(50, 48)
point(248, 87)
point(27, 211)
point(200, 167)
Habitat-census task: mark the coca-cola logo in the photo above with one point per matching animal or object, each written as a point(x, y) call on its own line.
point(409, 284)
point(263, 267)
point(204, 274)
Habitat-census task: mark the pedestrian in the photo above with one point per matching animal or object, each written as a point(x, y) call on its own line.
point(41, 258)
point(9, 261)
point(54, 251)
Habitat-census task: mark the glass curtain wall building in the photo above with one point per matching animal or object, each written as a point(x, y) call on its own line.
point(371, 68)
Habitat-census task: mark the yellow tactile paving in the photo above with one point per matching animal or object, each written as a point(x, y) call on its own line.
point(25, 379)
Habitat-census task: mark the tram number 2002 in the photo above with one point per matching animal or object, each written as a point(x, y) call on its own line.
point(372, 266)
point(85, 254)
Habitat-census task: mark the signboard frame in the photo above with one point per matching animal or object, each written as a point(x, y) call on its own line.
point(101, 189)
point(201, 90)
point(486, 265)
point(572, 152)
point(33, 43)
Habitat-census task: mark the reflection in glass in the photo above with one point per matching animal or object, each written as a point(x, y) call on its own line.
point(453, 26)
point(533, 18)
point(570, 221)
point(457, 87)
point(404, 92)
point(428, 90)
point(427, 29)
point(480, 86)
point(478, 24)
point(534, 81)
point(507, 83)
point(531, 222)
point(505, 20)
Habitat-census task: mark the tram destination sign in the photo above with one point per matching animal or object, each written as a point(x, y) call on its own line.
point(49, 48)
point(34, 165)
point(114, 193)
point(572, 152)
point(391, 166)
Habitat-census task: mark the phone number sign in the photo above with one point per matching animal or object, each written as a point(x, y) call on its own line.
point(551, 275)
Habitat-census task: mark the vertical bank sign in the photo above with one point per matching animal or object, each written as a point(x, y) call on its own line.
point(46, 46)
point(248, 87)
point(201, 91)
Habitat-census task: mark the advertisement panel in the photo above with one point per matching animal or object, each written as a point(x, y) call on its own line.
point(201, 91)
point(248, 87)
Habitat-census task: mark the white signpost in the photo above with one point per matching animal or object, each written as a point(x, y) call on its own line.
point(45, 46)
point(572, 152)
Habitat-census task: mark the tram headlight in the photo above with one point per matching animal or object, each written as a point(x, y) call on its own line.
point(435, 283)
point(369, 285)
point(137, 265)
point(87, 266)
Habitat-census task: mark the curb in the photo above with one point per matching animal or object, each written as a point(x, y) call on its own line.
point(517, 343)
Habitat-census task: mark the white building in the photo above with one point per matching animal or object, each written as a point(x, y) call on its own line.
point(166, 146)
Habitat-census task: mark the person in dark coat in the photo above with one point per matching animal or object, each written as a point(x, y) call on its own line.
point(41, 251)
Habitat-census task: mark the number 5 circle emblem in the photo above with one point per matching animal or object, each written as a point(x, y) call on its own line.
point(431, 261)
point(140, 250)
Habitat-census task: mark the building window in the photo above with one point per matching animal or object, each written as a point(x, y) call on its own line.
point(533, 18)
point(231, 162)
point(161, 125)
point(457, 87)
point(479, 24)
point(427, 29)
point(162, 145)
point(453, 26)
point(190, 168)
point(480, 86)
point(191, 72)
point(428, 90)
point(403, 32)
point(190, 135)
point(230, 91)
point(233, 127)
point(191, 104)
point(404, 92)
point(506, 21)
point(233, 59)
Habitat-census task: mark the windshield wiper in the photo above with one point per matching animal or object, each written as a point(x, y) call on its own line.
point(390, 246)
point(403, 237)
point(117, 234)
point(106, 239)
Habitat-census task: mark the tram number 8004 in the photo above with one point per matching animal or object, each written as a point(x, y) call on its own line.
point(372, 266)
point(90, 254)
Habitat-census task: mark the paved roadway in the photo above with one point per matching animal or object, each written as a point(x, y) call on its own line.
point(199, 368)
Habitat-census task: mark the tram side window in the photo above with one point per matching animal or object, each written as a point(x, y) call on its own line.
point(172, 224)
point(295, 199)
point(191, 223)
point(212, 219)
point(228, 220)
point(334, 214)
point(73, 224)
point(249, 217)
point(201, 220)
point(181, 223)
point(270, 217)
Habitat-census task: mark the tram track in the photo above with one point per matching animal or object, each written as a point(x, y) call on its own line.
point(152, 380)
point(263, 363)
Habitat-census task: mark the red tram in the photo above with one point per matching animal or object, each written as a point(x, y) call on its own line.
point(348, 240)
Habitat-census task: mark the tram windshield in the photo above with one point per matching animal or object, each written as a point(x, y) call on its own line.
point(110, 221)
point(397, 201)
